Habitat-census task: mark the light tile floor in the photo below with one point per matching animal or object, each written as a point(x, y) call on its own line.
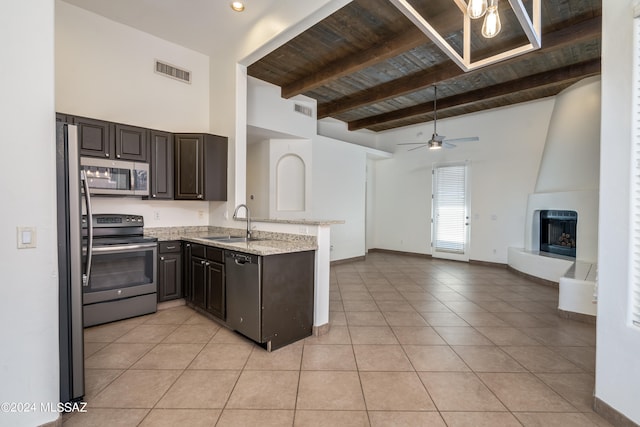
point(413, 342)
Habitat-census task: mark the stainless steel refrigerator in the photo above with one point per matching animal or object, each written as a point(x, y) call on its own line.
point(70, 265)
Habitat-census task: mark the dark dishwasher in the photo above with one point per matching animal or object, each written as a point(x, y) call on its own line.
point(244, 294)
point(270, 297)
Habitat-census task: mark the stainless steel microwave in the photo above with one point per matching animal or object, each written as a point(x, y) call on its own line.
point(116, 177)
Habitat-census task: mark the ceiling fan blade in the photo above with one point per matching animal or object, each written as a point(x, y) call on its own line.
point(417, 148)
point(467, 139)
point(410, 143)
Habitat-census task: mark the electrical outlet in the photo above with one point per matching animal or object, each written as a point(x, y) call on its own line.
point(156, 215)
point(200, 214)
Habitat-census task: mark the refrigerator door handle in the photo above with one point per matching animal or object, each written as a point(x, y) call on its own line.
point(87, 200)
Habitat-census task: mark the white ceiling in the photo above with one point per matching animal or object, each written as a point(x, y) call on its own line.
point(206, 26)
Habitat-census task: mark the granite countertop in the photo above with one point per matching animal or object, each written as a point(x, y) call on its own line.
point(267, 243)
point(299, 221)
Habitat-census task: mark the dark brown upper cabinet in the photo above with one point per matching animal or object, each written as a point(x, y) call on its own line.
point(200, 167)
point(161, 165)
point(107, 140)
point(94, 137)
point(130, 143)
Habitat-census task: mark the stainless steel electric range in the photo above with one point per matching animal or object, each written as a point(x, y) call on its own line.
point(121, 268)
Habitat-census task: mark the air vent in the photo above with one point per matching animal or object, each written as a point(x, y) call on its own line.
point(302, 109)
point(173, 72)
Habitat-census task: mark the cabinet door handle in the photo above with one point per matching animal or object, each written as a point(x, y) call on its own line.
point(153, 195)
point(118, 155)
point(171, 247)
point(199, 196)
point(106, 154)
point(208, 263)
point(203, 262)
point(161, 258)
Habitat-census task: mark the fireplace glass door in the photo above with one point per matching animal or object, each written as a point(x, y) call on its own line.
point(558, 232)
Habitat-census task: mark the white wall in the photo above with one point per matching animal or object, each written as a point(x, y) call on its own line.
point(339, 169)
point(504, 166)
point(266, 109)
point(617, 361)
point(105, 70)
point(29, 304)
point(339, 184)
point(258, 179)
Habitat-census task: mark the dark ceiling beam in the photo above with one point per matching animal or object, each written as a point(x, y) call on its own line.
point(583, 31)
point(499, 102)
point(410, 39)
point(547, 78)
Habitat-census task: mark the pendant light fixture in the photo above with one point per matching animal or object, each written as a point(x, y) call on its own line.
point(476, 8)
point(491, 25)
point(529, 18)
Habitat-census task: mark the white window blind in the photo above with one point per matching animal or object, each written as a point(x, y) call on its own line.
point(449, 208)
point(635, 170)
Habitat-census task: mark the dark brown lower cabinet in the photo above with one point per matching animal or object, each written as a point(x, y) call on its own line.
point(207, 280)
point(287, 297)
point(169, 270)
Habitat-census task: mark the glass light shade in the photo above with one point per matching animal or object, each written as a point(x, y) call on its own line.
point(491, 25)
point(476, 8)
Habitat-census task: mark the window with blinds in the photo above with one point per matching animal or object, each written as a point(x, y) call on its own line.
point(635, 184)
point(449, 208)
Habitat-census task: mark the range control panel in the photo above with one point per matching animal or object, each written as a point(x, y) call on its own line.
point(115, 220)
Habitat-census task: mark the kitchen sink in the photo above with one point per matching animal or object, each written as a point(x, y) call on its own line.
point(230, 239)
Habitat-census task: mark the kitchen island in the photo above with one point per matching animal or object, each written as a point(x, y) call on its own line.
point(285, 258)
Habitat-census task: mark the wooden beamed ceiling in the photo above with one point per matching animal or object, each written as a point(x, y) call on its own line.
point(368, 66)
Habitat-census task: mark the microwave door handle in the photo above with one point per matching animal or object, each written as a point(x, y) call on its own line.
point(87, 200)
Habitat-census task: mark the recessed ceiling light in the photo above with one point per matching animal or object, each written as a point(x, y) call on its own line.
point(238, 6)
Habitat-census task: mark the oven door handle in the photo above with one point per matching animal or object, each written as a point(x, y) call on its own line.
point(120, 248)
point(87, 200)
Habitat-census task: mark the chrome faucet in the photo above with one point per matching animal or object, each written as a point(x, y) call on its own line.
point(235, 217)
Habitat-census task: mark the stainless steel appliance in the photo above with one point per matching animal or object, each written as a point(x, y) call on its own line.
point(122, 268)
point(69, 212)
point(244, 294)
point(116, 177)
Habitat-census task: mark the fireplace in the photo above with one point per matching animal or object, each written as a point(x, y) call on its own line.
point(558, 232)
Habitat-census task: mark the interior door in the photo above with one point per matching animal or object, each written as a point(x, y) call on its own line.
point(450, 212)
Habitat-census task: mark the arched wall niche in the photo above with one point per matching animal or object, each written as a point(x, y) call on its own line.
point(290, 183)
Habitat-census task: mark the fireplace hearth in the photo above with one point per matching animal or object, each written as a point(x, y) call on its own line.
point(558, 232)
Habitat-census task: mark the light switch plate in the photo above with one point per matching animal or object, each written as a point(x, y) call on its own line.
point(26, 237)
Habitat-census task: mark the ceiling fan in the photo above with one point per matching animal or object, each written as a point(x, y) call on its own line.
point(438, 141)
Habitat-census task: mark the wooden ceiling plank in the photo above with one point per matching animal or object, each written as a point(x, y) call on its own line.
point(380, 52)
point(582, 31)
point(571, 72)
point(353, 63)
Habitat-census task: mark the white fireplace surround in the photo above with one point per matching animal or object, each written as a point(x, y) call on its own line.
point(568, 179)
